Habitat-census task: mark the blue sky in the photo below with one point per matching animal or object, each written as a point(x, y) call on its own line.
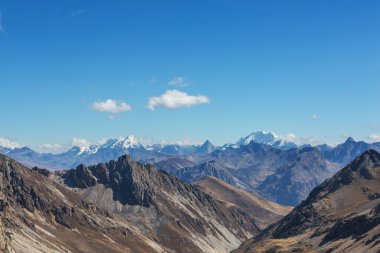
point(311, 68)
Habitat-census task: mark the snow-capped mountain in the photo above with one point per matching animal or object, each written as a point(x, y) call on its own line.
point(92, 154)
point(259, 137)
point(268, 138)
point(122, 143)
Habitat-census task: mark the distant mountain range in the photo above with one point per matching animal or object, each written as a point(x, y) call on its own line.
point(261, 162)
point(344, 153)
point(113, 148)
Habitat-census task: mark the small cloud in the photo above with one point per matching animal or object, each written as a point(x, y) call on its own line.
point(311, 140)
point(2, 29)
point(290, 137)
point(52, 148)
point(314, 117)
point(101, 141)
point(173, 99)
point(374, 137)
point(76, 13)
point(187, 142)
point(152, 79)
point(80, 142)
point(7, 143)
point(111, 106)
point(178, 81)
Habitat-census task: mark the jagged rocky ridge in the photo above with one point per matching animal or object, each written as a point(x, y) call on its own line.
point(344, 153)
point(183, 217)
point(340, 215)
point(39, 215)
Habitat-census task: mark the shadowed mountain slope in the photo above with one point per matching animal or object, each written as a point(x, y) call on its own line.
point(265, 212)
point(340, 215)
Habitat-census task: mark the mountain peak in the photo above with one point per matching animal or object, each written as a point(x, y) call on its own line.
point(369, 159)
point(350, 140)
point(121, 142)
point(206, 148)
point(207, 142)
point(259, 137)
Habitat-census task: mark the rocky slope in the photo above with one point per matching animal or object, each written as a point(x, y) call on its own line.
point(211, 168)
point(39, 215)
point(180, 216)
point(340, 215)
point(264, 211)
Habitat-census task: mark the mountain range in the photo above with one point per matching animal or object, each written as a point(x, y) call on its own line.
point(120, 206)
point(340, 215)
point(127, 206)
point(261, 162)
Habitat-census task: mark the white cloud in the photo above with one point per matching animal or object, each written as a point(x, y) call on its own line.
point(173, 99)
point(290, 137)
point(111, 106)
point(7, 143)
point(76, 13)
point(312, 140)
point(80, 142)
point(111, 117)
point(374, 137)
point(314, 117)
point(178, 81)
point(52, 148)
point(2, 30)
point(187, 141)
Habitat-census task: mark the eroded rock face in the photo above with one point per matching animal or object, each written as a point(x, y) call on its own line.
point(124, 176)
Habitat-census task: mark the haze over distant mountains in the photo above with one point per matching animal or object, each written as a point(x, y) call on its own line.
point(261, 162)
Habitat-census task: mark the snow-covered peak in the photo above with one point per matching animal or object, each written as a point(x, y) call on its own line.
point(83, 150)
point(6, 143)
point(259, 137)
point(124, 143)
point(268, 138)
